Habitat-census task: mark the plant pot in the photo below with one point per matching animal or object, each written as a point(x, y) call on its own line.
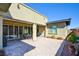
point(2, 53)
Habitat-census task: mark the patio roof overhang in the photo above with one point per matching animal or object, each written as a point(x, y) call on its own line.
point(4, 6)
point(21, 21)
point(16, 20)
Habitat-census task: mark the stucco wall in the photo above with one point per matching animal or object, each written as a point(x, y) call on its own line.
point(1, 33)
point(42, 30)
point(25, 13)
point(61, 30)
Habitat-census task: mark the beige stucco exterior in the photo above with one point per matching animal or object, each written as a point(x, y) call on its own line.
point(61, 32)
point(41, 30)
point(19, 11)
point(1, 33)
point(20, 15)
point(34, 31)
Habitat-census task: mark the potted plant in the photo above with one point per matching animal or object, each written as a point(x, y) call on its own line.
point(72, 38)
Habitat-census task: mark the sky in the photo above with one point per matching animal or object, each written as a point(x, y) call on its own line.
point(58, 11)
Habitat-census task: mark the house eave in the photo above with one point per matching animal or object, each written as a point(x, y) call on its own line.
point(59, 21)
point(4, 7)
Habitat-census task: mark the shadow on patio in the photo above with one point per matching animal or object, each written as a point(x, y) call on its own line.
point(17, 48)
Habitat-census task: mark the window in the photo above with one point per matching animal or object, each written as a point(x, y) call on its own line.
point(26, 30)
point(29, 30)
point(16, 30)
point(5, 29)
point(10, 30)
point(20, 29)
point(61, 26)
point(53, 30)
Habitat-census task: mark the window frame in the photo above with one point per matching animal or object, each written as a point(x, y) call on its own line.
point(52, 29)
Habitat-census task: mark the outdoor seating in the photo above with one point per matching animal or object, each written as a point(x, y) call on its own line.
point(27, 36)
point(11, 37)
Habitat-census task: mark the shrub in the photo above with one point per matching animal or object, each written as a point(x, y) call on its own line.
point(72, 38)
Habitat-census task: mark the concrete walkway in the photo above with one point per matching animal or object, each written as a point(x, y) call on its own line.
point(43, 46)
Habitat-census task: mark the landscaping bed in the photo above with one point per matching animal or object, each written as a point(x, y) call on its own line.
point(71, 48)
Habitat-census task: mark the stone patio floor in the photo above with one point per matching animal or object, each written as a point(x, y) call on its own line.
point(44, 47)
point(40, 47)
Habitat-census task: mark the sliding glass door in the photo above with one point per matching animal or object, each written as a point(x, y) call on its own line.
point(28, 30)
point(5, 29)
point(10, 30)
point(16, 30)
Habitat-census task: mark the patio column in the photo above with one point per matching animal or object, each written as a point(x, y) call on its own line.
point(34, 31)
point(1, 33)
point(46, 31)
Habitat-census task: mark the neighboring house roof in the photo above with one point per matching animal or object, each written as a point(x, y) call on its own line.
point(59, 21)
point(75, 28)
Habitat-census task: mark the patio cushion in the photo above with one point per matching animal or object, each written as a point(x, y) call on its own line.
point(11, 37)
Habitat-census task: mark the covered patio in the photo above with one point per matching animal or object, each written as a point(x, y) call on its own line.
point(19, 21)
point(18, 30)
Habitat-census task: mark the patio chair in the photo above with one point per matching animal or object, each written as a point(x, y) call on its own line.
point(21, 37)
point(27, 36)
